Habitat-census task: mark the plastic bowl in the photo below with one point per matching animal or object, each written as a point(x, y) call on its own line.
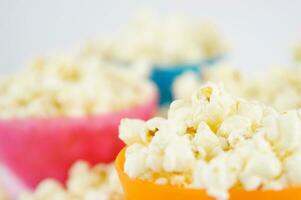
point(164, 76)
point(35, 149)
point(138, 189)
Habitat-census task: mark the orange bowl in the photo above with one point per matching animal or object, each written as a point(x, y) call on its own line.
point(135, 189)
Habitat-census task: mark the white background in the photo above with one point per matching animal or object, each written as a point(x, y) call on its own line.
point(262, 32)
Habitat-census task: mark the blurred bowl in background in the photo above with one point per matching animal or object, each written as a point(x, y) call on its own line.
point(164, 76)
point(167, 47)
point(35, 149)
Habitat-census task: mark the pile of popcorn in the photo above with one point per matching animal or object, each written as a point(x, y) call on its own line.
point(66, 86)
point(216, 141)
point(154, 40)
point(84, 183)
point(279, 87)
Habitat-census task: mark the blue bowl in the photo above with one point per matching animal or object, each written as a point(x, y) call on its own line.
point(164, 76)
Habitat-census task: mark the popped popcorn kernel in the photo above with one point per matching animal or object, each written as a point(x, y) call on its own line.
point(216, 141)
point(277, 87)
point(162, 41)
point(66, 86)
point(84, 183)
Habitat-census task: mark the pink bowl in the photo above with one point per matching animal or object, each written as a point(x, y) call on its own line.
point(35, 149)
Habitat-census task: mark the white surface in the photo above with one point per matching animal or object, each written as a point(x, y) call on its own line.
point(261, 32)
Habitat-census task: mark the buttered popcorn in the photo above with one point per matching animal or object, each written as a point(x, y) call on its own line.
point(65, 86)
point(216, 141)
point(84, 183)
point(171, 40)
point(280, 87)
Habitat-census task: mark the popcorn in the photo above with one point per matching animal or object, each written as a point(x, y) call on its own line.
point(206, 142)
point(178, 155)
point(217, 176)
point(289, 133)
point(280, 88)
point(171, 40)
point(292, 169)
point(216, 142)
point(84, 183)
point(235, 125)
point(65, 86)
point(260, 166)
point(131, 137)
point(136, 162)
point(185, 85)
